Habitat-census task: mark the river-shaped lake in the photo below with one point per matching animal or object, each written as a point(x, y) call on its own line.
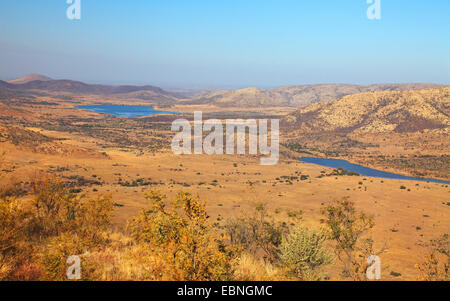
point(364, 171)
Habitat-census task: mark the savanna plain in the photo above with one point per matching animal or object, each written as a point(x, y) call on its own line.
point(110, 190)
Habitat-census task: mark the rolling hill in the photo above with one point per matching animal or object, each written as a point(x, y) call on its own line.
point(34, 82)
point(29, 78)
point(376, 112)
point(294, 96)
point(5, 85)
point(20, 136)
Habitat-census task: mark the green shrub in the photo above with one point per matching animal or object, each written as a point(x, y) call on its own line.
point(304, 253)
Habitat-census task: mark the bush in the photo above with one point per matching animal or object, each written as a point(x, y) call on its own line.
point(35, 240)
point(54, 208)
point(436, 265)
point(14, 249)
point(182, 239)
point(303, 252)
point(257, 232)
point(56, 252)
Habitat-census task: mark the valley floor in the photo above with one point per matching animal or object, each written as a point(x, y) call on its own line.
point(96, 155)
point(405, 218)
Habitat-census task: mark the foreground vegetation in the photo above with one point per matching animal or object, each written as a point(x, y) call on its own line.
point(176, 241)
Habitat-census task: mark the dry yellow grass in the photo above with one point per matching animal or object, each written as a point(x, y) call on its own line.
point(397, 212)
point(404, 219)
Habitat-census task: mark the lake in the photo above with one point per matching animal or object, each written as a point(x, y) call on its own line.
point(364, 171)
point(123, 111)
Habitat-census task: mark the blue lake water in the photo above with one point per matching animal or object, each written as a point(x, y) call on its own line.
point(364, 171)
point(123, 111)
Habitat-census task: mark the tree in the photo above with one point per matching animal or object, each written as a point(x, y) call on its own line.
point(346, 226)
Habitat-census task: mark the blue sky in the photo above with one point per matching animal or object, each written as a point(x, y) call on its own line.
point(227, 44)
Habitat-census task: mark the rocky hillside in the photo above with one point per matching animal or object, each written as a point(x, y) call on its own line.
point(376, 112)
point(294, 96)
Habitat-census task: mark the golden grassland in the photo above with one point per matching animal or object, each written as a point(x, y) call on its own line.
point(407, 214)
point(405, 218)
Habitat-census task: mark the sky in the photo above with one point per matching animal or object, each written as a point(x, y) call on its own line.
point(227, 44)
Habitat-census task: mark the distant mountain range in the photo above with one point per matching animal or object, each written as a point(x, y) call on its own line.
point(40, 82)
point(295, 96)
point(285, 96)
point(376, 112)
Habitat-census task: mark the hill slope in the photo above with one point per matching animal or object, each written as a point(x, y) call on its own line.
point(294, 96)
point(29, 78)
point(41, 83)
point(376, 112)
point(5, 85)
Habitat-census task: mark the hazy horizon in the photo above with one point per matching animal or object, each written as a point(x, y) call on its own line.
point(194, 88)
point(203, 44)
